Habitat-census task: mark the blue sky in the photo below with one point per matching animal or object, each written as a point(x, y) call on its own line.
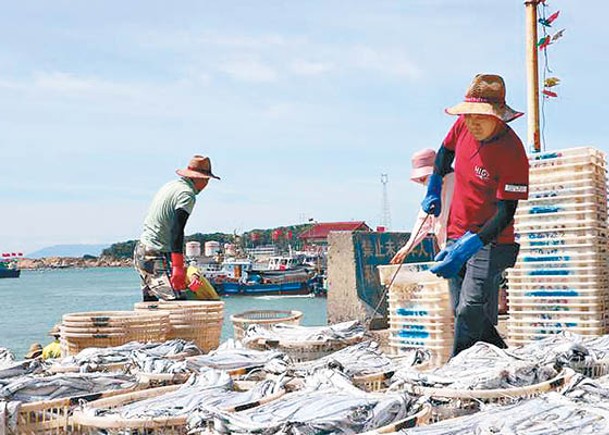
point(301, 105)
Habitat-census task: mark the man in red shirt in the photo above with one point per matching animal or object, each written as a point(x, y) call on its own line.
point(491, 175)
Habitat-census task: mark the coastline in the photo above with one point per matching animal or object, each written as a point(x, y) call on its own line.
point(72, 262)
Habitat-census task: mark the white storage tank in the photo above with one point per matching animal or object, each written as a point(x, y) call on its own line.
point(212, 248)
point(193, 249)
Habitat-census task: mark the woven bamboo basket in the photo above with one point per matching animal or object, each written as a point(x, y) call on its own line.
point(111, 328)
point(450, 403)
point(265, 318)
point(85, 424)
point(376, 382)
point(54, 416)
point(300, 351)
point(198, 321)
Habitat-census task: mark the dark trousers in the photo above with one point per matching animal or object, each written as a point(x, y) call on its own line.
point(474, 295)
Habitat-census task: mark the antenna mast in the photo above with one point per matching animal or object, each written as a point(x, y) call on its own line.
point(386, 214)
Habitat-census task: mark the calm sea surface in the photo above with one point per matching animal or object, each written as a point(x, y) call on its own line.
point(32, 304)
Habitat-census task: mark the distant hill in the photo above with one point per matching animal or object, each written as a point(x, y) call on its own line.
point(68, 251)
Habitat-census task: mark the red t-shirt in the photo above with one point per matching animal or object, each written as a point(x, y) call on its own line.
point(485, 172)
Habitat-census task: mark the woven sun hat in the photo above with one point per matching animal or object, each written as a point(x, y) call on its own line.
point(422, 164)
point(34, 352)
point(198, 167)
point(486, 96)
point(54, 331)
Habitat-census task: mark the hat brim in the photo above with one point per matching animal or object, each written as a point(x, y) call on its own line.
point(501, 111)
point(419, 173)
point(194, 174)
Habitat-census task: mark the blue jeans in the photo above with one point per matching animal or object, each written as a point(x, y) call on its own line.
point(474, 295)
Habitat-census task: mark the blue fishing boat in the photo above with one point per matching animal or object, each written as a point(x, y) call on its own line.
point(295, 281)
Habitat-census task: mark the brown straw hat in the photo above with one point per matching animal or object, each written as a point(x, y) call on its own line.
point(34, 352)
point(486, 96)
point(54, 331)
point(198, 167)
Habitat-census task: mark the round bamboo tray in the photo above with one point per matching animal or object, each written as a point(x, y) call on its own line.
point(451, 403)
point(376, 382)
point(111, 328)
point(300, 351)
point(53, 416)
point(85, 424)
point(265, 318)
point(198, 321)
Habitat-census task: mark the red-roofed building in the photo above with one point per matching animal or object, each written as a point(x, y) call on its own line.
point(319, 232)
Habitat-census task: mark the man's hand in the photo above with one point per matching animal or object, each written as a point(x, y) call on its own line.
point(194, 284)
point(178, 273)
point(453, 257)
point(432, 203)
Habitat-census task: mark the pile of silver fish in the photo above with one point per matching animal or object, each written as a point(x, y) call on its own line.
point(328, 404)
point(582, 408)
point(210, 388)
point(224, 358)
point(10, 368)
point(94, 358)
point(37, 388)
point(566, 349)
point(481, 367)
point(362, 359)
point(340, 332)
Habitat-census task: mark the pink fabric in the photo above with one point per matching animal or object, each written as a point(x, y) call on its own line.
point(422, 164)
point(434, 225)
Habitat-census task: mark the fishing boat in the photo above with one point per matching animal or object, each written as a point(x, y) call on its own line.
point(240, 278)
point(9, 268)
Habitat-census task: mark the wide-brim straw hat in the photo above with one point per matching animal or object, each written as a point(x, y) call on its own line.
point(34, 352)
point(198, 167)
point(54, 331)
point(486, 96)
point(422, 164)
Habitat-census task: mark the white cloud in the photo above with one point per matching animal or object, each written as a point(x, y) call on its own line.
point(308, 68)
point(249, 69)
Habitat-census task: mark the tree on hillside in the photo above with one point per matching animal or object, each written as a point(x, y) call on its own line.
point(279, 236)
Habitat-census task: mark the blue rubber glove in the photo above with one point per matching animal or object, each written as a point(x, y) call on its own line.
point(432, 203)
point(453, 257)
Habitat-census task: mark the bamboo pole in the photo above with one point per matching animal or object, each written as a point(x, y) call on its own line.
point(533, 139)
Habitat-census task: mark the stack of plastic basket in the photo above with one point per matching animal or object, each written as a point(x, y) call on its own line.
point(197, 321)
point(560, 280)
point(420, 313)
point(110, 328)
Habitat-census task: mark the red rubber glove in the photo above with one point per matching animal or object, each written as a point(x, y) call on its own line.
point(178, 273)
point(194, 284)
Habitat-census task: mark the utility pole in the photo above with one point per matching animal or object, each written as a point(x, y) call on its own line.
point(386, 214)
point(533, 139)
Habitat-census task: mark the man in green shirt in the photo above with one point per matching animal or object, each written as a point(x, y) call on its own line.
point(158, 255)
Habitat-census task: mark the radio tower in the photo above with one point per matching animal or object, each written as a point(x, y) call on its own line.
point(386, 214)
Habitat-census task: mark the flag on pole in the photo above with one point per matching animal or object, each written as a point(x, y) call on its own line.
point(548, 21)
point(549, 94)
point(544, 42)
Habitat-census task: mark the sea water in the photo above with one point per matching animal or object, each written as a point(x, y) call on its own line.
point(32, 304)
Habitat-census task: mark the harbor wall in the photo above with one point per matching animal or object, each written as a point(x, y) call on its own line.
point(354, 288)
